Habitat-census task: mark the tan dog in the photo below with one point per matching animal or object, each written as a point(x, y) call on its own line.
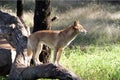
point(57, 40)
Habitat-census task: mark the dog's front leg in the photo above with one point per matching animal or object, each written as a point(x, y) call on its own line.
point(57, 56)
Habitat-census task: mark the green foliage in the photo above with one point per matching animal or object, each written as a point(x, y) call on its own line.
point(2, 78)
point(95, 63)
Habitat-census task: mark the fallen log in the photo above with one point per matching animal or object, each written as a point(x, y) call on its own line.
point(15, 33)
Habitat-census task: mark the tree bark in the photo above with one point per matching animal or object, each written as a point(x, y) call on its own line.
point(42, 15)
point(15, 33)
point(5, 61)
point(19, 13)
point(20, 8)
point(42, 22)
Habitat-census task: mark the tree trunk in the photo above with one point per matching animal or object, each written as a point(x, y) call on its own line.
point(19, 14)
point(42, 15)
point(20, 8)
point(42, 22)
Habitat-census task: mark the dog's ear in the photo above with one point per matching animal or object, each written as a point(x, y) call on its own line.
point(76, 22)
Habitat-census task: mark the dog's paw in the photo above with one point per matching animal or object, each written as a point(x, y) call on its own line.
point(38, 63)
point(56, 64)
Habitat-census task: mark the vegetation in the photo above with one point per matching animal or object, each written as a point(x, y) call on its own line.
point(94, 63)
point(101, 20)
point(94, 56)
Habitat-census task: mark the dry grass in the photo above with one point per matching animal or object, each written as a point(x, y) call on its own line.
point(101, 21)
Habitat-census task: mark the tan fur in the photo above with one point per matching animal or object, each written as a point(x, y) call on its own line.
point(57, 40)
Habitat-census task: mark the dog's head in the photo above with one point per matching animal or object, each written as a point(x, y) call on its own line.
point(78, 27)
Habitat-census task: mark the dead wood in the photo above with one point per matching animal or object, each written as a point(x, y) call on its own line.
point(15, 33)
point(5, 61)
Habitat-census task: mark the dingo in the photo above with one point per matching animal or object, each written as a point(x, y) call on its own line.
point(56, 39)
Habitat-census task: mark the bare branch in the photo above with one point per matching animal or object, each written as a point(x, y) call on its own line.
point(54, 18)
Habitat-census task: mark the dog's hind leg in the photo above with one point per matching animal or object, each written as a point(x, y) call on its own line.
point(36, 54)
